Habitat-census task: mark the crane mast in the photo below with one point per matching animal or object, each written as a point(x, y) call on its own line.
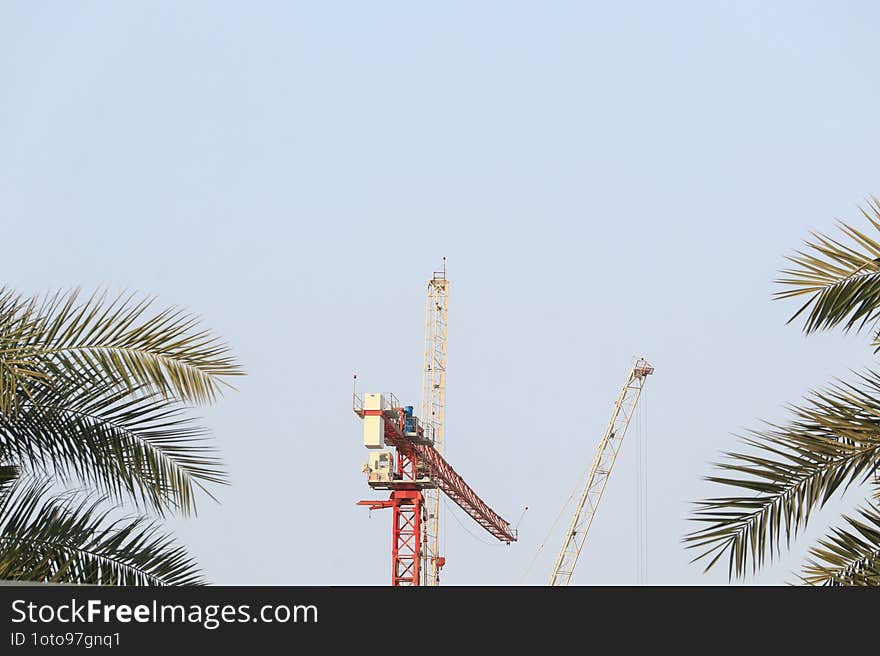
point(624, 408)
point(433, 405)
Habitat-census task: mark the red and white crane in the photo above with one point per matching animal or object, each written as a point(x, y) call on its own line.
point(415, 471)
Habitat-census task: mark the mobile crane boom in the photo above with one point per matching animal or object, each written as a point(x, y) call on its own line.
point(624, 408)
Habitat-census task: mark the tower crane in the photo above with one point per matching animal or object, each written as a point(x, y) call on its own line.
point(414, 469)
point(606, 454)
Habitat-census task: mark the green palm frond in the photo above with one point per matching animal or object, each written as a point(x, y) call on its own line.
point(140, 445)
point(841, 280)
point(18, 372)
point(72, 538)
point(116, 342)
point(95, 392)
point(848, 557)
point(831, 442)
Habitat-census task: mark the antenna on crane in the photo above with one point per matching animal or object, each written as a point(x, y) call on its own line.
point(519, 521)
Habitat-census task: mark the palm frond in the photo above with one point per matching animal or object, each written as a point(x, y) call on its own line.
point(848, 557)
point(841, 280)
point(139, 445)
point(73, 538)
point(115, 342)
point(832, 441)
point(18, 371)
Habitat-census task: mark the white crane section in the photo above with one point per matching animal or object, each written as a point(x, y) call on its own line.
point(624, 408)
point(433, 407)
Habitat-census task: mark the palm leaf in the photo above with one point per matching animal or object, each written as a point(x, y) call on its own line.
point(73, 538)
point(139, 445)
point(848, 557)
point(115, 342)
point(833, 441)
point(842, 280)
point(18, 371)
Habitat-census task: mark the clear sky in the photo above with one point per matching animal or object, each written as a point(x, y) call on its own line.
point(606, 180)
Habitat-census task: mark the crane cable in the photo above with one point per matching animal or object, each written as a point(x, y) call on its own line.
point(549, 532)
point(645, 486)
point(642, 493)
point(459, 522)
point(638, 495)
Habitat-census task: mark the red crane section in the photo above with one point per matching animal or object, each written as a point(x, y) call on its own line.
point(453, 486)
point(418, 466)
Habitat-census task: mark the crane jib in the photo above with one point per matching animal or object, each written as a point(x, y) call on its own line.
point(599, 472)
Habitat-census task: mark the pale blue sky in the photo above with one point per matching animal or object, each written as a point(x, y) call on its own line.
point(606, 180)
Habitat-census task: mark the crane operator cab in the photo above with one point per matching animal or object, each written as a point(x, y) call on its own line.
point(381, 473)
point(380, 468)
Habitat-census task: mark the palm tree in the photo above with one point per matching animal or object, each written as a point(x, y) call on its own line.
point(94, 396)
point(831, 441)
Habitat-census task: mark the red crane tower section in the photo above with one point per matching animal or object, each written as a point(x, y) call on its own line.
point(418, 466)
